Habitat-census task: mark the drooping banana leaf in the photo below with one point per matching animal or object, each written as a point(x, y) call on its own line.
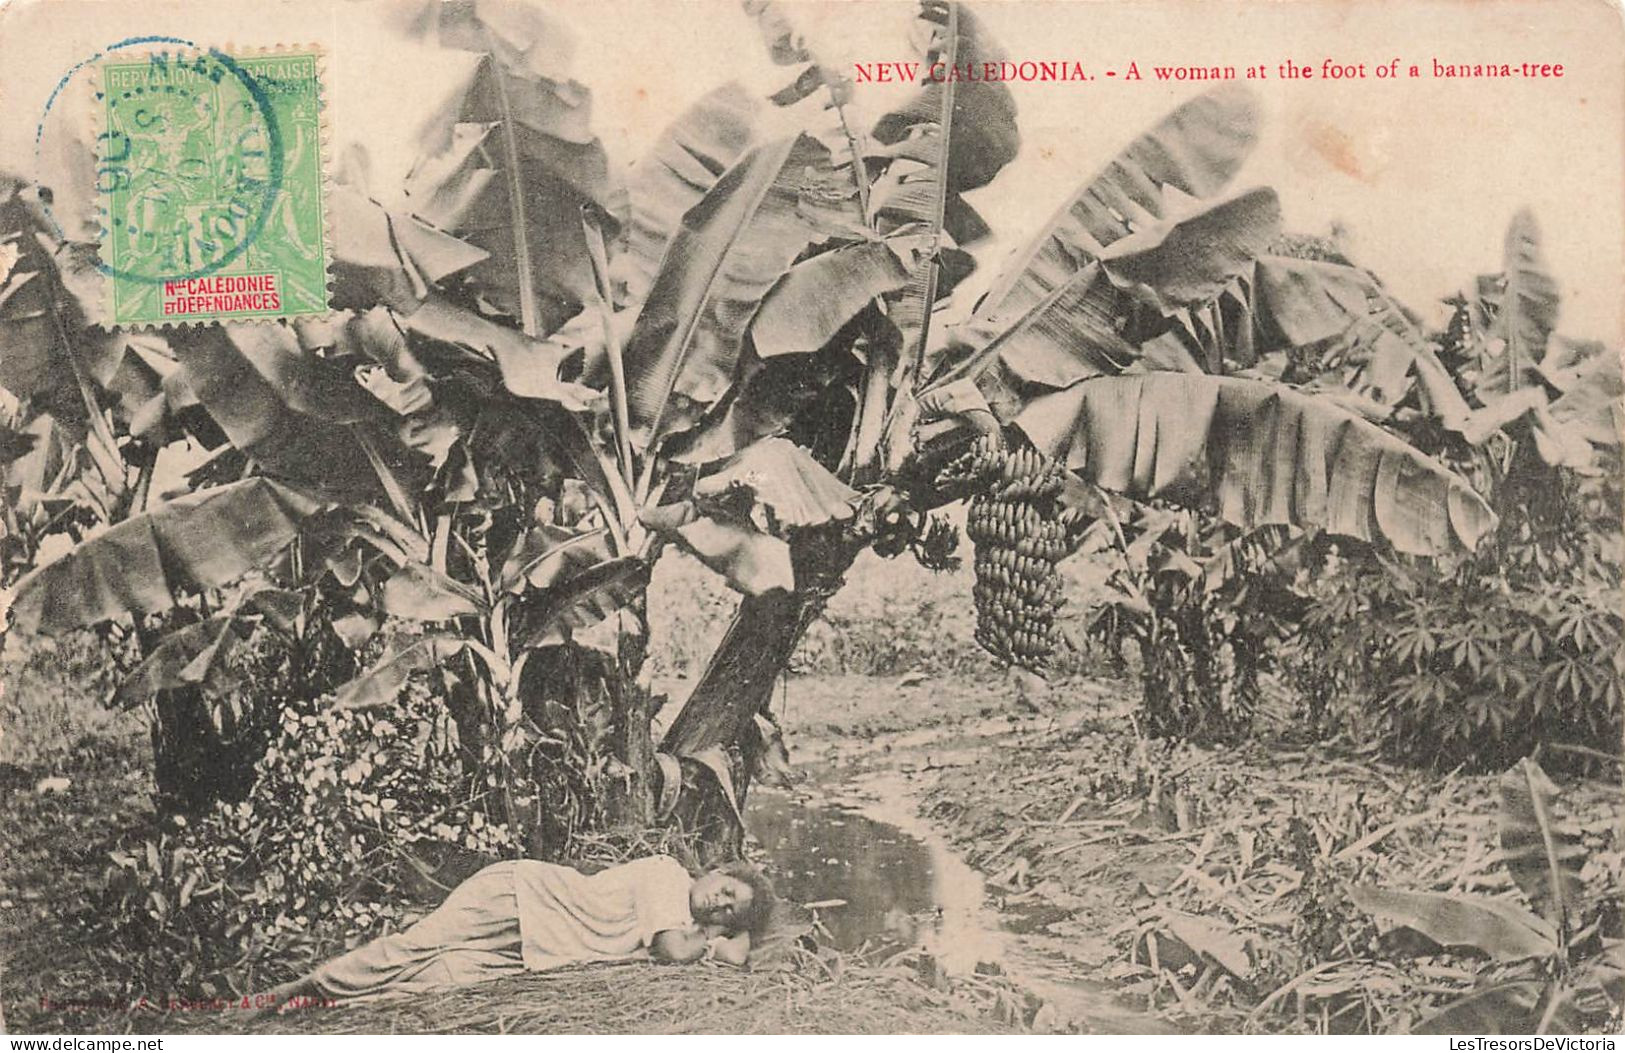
point(1256, 454)
point(380, 684)
point(1539, 847)
point(191, 656)
point(1502, 930)
point(982, 137)
point(949, 137)
point(521, 161)
point(148, 562)
point(730, 250)
point(1195, 150)
point(787, 46)
point(389, 259)
point(1524, 300)
point(418, 592)
point(301, 416)
point(784, 480)
point(581, 600)
point(820, 295)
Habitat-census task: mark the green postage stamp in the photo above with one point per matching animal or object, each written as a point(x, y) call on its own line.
point(210, 182)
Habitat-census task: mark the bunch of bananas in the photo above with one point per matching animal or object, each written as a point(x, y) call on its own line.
point(1020, 533)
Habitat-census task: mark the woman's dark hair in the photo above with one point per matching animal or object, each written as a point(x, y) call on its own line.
point(759, 915)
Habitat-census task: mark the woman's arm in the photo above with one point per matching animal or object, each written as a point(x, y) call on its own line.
point(690, 944)
point(680, 945)
point(733, 949)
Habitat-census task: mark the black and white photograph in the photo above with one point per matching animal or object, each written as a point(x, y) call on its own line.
point(900, 517)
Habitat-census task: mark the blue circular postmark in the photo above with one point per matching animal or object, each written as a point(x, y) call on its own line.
point(189, 162)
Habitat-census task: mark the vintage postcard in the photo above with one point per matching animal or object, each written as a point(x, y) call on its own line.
point(757, 516)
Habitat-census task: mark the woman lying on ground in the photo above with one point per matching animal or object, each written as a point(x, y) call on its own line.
point(527, 915)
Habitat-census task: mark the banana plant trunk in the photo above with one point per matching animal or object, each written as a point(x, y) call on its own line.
point(738, 680)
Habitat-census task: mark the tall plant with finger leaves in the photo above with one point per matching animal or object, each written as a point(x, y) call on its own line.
point(1519, 646)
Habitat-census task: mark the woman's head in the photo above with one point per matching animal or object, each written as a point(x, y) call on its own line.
point(735, 896)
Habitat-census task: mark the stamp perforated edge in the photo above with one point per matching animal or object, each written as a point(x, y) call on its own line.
point(102, 313)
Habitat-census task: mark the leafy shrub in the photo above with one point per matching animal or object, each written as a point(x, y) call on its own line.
point(1204, 605)
point(350, 814)
point(1482, 662)
point(1473, 670)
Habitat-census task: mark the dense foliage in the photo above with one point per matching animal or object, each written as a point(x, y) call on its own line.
point(350, 815)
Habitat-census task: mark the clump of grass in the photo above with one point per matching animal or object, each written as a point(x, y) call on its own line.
point(806, 994)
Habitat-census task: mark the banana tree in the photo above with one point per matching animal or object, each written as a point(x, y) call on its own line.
point(538, 377)
point(472, 465)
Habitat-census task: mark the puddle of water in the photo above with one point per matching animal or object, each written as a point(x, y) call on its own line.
point(877, 874)
point(872, 880)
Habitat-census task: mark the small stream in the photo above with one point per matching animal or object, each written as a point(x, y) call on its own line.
point(875, 876)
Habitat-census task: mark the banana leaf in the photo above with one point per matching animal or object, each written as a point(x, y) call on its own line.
point(520, 162)
point(546, 554)
point(148, 562)
point(302, 417)
point(982, 137)
point(382, 682)
point(15, 445)
point(766, 398)
point(1595, 405)
point(784, 480)
point(817, 297)
point(1079, 329)
point(581, 600)
point(1524, 300)
point(1190, 261)
point(678, 171)
point(951, 136)
point(1194, 150)
point(420, 593)
point(751, 561)
point(1504, 931)
point(529, 367)
point(52, 356)
point(1542, 850)
point(730, 250)
point(390, 259)
point(787, 46)
point(1256, 453)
